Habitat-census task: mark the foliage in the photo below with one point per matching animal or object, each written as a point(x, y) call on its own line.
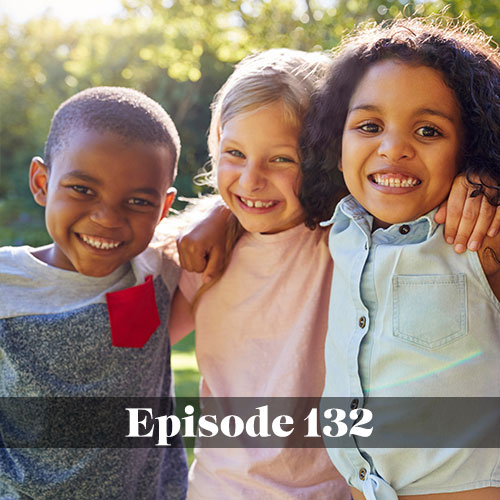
point(179, 52)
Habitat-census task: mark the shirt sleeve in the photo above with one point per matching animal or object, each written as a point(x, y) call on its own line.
point(170, 273)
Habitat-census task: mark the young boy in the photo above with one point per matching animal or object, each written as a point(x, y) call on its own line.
point(79, 317)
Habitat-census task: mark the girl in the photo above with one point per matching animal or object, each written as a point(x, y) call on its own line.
point(244, 347)
point(408, 316)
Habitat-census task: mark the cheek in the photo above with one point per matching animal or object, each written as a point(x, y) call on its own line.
point(225, 177)
point(143, 231)
point(289, 186)
point(297, 184)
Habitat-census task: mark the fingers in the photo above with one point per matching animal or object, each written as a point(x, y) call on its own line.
point(454, 208)
point(494, 228)
point(469, 216)
point(192, 257)
point(486, 215)
point(440, 216)
point(214, 265)
point(474, 220)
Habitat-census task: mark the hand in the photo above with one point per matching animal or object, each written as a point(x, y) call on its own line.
point(202, 249)
point(468, 220)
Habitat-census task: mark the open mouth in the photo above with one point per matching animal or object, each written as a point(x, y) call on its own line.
point(99, 243)
point(394, 180)
point(257, 203)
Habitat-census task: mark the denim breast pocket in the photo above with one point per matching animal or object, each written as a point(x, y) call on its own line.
point(429, 311)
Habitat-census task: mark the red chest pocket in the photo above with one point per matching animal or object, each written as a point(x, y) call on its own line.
point(133, 315)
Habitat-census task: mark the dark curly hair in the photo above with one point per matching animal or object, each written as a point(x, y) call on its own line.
point(123, 111)
point(470, 67)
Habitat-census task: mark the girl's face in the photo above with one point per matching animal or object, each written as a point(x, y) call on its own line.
point(400, 146)
point(258, 171)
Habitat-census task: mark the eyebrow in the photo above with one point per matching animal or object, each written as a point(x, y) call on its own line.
point(145, 190)
point(421, 111)
point(80, 175)
point(237, 144)
point(76, 174)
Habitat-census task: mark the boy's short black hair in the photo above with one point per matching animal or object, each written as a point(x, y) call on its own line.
point(470, 66)
point(123, 111)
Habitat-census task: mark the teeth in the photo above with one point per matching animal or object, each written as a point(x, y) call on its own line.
point(100, 243)
point(388, 180)
point(257, 203)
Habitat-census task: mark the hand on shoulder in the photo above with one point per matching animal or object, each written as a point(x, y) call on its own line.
point(489, 255)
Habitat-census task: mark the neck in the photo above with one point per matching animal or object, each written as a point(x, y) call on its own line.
point(377, 223)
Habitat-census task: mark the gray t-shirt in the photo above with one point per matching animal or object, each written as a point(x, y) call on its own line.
point(55, 341)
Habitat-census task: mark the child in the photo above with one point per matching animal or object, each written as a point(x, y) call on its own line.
point(243, 346)
point(408, 316)
point(110, 160)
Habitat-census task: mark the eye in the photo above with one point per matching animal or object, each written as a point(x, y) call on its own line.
point(370, 127)
point(81, 189)
point(235, 153)
point(428, 131)
point(283, 159)
point(139, 202)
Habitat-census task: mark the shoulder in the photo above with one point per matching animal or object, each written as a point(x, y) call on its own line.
point(11, 253)
point(15, 261)
point(489, 255)
point(153, 261)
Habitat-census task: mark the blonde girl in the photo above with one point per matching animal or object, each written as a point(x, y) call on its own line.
point(260, 327)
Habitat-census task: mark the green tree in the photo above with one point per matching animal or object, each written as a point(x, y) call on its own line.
point(179, 52)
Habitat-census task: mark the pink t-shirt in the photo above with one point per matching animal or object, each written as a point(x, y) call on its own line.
point(260, 331)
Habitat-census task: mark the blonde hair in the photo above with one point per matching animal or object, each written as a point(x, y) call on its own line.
point(276, 75)
point(283, 76)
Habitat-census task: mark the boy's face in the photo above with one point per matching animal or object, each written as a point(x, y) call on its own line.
point(400, 146)
point(258, 170)
point(103, 199)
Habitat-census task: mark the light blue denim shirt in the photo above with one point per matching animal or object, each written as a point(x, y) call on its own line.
point(409, 317)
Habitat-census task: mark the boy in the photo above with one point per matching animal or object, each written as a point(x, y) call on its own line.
point(110, 159)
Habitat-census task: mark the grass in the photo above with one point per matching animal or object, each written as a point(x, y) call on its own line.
point(186, 375)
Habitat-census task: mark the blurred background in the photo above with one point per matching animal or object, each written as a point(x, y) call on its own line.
point(179, 52)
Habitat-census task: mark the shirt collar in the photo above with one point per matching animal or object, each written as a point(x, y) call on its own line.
point(420, 229)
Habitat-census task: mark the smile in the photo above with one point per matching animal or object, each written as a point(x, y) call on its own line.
point(395, 180)
point(99, 243)
point(257, 203)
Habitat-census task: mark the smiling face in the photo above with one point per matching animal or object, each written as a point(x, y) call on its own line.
point(258, 170)
point(103, 198)
point(401, 140)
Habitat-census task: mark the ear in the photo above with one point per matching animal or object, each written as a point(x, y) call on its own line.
point(339, 165)
point(39, 180)
point(169, 199)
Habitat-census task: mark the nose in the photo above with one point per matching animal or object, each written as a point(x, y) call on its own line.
point(252, 177)
point(395, 146)
point(107, 216)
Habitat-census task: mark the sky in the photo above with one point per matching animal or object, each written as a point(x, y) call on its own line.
point(65, 10)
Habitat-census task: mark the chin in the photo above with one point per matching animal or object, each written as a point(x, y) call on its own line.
point(94, 272)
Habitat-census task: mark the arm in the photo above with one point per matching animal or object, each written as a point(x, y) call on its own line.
point(193, 215)
point(181, 321)
point(202, 249)
point(467, 219)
